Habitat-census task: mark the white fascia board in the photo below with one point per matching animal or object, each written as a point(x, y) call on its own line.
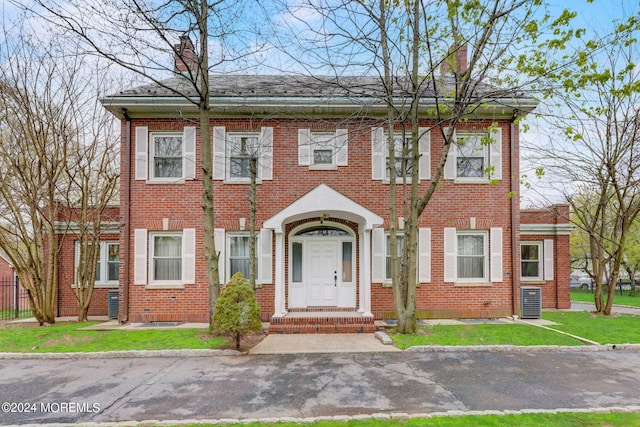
point(549, 229)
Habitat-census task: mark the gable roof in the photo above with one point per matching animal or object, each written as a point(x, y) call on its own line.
point(233, 94)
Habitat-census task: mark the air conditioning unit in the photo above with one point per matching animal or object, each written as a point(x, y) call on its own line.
point(530, 302)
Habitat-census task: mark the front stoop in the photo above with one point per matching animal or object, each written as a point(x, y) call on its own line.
point(322, 321)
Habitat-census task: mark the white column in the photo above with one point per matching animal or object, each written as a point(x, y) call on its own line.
point(365, 274)
point(279, 285)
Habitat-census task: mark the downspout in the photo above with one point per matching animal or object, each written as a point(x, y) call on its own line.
point(515, 206)
point(123, 311)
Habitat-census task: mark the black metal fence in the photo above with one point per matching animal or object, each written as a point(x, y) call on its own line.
point(14, 303)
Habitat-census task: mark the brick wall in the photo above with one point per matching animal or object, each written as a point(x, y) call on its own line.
point(453, 205)
point(556, 292)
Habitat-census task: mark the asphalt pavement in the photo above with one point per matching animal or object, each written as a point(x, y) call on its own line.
point(301, 386)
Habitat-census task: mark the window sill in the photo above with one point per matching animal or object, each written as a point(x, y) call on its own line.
point(472, 284)
point(114, 285)
point(179, 181)
point(164, 286)
point(241, 181)
point(533, 281)
point(471, 181)
point(323, 167)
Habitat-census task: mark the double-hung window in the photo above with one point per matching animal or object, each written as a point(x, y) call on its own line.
point(107, 264)
point(239, 255)
point(166, 257)
point(323, 150)
point(402, 145)
point(234, 151)
point(471, 160)
point(399, 249)
point(472, 256)
point(531, 260)
point(475, 156)
point(242, 149)
point(166, 152)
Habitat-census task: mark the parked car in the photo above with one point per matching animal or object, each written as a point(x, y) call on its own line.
point(582, 283)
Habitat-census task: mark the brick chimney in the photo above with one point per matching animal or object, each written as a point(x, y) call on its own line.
point(457, 59)
point(184, 55)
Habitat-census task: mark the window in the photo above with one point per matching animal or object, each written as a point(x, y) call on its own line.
point(531, 260)
point(322, 150)
point(476, 157)
point(471, 160)
point(242, 148)
point(400, 247)
point(107, 265)
point(471, 256)
point(239, 255)
point(402, 155)
point(234, 151)
point(166, 152)
point(166, 257)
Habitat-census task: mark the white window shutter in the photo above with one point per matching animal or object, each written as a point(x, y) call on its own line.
point(496, 254)
point(424, 255)
point(189, 256)
point(377, 154)
point(189, 144)
point(450, 255)
point(424, 145)
point(221, 246)
point(265, 269)
point(142, 152)
point(304, 147)
point(140, 256)
point(451, 165)
point(378, 255)
point(495, 153)
point(219, 155)
point(342, 146)
point(548, 259)
point(266, 153)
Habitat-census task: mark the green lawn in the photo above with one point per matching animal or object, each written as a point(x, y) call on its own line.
point(484, 334)
point(625, 299)
point(64, 337)
point(526, 420)
point(619, 329)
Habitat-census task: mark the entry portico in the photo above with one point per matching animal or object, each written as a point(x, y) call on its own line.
point(322, 252)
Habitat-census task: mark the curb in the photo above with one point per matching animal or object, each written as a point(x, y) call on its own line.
point(415, 349)
point(395, 416)
point(122, 354)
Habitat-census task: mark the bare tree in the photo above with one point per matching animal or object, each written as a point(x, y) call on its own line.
point(597, 158)
point(141, 35)
point(406, 44)
point(43, 154)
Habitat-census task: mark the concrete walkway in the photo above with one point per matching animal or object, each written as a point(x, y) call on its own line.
point(321, 343)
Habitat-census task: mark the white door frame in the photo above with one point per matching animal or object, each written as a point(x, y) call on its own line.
point(299, 291)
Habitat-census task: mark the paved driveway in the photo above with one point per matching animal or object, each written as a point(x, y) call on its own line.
point(177, 388)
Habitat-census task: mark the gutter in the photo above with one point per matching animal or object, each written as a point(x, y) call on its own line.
point(515, 205)
point(123, 310)
point(290, 104)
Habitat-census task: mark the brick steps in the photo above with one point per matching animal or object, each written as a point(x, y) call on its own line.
point(325, 322)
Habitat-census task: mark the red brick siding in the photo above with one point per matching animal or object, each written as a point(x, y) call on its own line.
point(452, 206)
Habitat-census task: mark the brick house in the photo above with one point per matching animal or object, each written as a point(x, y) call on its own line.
point(107, 268)
point(322, 206)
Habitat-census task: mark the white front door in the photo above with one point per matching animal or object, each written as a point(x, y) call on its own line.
point(322, 272)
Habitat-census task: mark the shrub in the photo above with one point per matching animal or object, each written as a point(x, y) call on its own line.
point(237, 310)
